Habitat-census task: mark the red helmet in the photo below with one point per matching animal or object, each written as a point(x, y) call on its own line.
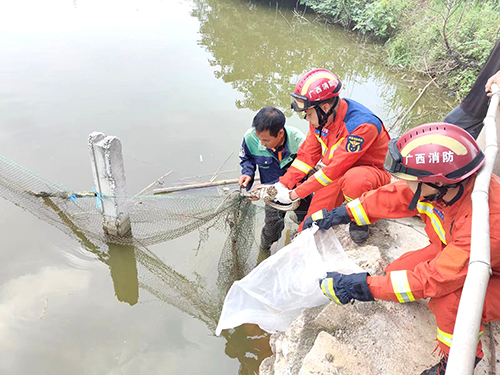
point(436, 152)
point(314, 88)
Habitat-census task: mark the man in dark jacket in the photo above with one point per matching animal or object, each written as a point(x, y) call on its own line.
point(272, 147)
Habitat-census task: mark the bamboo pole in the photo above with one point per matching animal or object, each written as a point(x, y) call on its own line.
point(197, 186)
point(466, 331)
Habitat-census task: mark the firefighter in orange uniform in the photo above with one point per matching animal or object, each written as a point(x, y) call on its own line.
point(439, 162)
point(348, 140)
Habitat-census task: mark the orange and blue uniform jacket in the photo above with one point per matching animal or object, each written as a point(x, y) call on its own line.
point(439, 270)
point(355, 138)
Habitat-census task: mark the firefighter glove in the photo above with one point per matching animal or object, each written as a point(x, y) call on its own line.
point(327, 219)
point(341, 288)
point(283, 195)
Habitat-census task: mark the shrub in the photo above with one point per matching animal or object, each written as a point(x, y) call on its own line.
point(380, 18)
point(416, 42)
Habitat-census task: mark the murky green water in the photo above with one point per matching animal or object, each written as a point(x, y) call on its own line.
point(179, 83)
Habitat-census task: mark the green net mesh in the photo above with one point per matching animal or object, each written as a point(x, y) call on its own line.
point(154, 219)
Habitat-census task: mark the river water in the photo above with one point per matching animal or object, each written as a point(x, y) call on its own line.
point(179, 83)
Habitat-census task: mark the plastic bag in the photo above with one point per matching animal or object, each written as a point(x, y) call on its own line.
point(285, 284)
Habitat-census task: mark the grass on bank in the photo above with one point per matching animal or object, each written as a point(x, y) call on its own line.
point(447, 39)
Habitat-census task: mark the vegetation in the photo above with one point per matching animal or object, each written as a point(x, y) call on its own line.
point(446, 39)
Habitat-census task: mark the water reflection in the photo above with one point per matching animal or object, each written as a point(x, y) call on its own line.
point(134, 267)
point(250, 345)
point(261, 51)
point(123, 270)
point(119, 258)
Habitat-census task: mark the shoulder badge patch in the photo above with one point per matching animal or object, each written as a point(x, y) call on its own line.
point(354, 143)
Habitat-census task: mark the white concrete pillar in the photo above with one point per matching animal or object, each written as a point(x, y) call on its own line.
point(109, 179)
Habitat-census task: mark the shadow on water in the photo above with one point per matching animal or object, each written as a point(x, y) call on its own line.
point(261, 50)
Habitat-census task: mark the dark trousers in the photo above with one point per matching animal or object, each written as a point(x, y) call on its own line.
point(274, 222)
point(461, 118)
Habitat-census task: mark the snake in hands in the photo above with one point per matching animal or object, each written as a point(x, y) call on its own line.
point(269, 193)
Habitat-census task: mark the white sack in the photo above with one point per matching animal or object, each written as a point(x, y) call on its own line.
point(283, 285)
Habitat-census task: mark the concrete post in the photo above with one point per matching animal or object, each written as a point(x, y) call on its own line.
point(109, 179)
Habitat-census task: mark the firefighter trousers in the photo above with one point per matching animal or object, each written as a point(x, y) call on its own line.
point(351, 185)
point(445, 308)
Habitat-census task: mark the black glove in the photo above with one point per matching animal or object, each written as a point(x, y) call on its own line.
point(327, 219)
point(341, 289)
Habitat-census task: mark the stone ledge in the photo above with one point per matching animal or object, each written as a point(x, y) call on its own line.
point(372, 338)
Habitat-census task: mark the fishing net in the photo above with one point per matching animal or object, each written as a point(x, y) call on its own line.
point(154, 219)
point(190, 296)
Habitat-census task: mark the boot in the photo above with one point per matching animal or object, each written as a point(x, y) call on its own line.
point(440, 368)
point(358, 233)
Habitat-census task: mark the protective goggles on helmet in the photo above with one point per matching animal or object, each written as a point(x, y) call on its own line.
point(301, 103)
point(393, 162)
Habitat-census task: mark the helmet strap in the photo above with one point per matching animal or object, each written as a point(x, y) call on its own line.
point(458, 195)
point(442, 190)
point(414, 200)
point(323, 116)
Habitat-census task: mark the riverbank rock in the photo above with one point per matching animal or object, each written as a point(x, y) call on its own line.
point(376, 338)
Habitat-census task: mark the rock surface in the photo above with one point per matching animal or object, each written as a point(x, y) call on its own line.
point(375, 338)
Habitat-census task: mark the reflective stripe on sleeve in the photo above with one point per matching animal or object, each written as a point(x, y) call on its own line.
point(401, 286)
point(327, 287)
point(347, 198)
point(358, 212)
point(301, 166)
point(322, 178)
point(317, 215)
point(427, 209)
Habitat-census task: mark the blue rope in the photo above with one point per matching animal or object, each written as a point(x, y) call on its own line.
point(72, 198)
point(98, 197)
